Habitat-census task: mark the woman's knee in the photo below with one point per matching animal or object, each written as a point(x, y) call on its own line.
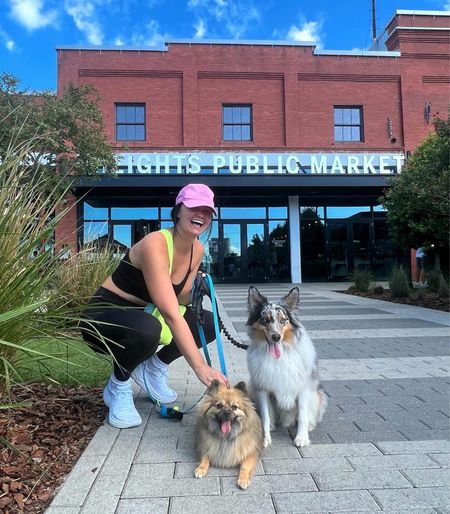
point(134, 332)
point(145, 333)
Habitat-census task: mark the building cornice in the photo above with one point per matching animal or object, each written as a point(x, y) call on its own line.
point(358, 53)
point(416, 13)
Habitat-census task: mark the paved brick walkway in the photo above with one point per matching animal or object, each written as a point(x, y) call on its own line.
point(383, 445)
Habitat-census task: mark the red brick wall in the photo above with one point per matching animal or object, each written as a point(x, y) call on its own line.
point(292, 91)
point(66, 231)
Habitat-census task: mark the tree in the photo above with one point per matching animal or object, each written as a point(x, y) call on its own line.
point(68, 128)
point(418, 199)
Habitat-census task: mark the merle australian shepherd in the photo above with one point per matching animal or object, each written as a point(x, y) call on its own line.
point(282, 363)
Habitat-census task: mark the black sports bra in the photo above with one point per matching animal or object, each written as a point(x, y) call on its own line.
point(131, 279)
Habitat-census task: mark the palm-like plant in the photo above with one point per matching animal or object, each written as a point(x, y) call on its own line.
point(33, 304)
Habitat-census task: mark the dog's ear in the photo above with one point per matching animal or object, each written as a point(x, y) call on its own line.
point(242, 387)
point(255, 298)
point(292, 299)
point(214, 386)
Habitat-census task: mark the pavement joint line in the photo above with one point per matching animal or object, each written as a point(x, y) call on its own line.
point(393, 439)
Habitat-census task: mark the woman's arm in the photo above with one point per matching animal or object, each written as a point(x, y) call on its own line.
point(153, 260)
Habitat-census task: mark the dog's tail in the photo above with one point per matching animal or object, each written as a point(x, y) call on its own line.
point(322, 402)
point(317, 408)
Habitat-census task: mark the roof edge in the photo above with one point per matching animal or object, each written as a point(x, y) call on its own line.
point(416, 13)
point(359, 53)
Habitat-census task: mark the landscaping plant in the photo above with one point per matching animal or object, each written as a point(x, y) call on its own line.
point(399, 287)
point(31, 311)
point(361, 280)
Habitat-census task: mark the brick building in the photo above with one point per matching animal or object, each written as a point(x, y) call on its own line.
point(297, 143)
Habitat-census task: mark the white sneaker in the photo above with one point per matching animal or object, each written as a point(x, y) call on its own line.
point(151, 376)
point(118, 397)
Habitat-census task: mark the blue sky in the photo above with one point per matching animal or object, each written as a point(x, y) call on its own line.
point(31, 29)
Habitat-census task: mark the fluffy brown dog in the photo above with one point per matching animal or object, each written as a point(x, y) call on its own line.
point(229, 432)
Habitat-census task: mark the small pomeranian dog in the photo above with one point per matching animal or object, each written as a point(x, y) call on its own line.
point(282, 363)
point(229, 432)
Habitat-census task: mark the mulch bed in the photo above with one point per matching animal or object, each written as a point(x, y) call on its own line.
point(420, 298)
point(40, 443)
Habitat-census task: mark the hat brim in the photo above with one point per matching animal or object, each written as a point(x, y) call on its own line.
point(194, 203)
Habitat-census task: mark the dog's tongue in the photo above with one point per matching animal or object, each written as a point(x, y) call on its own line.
point(274, 350)
point(226, 427)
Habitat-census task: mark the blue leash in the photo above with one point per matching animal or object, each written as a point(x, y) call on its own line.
point(212, 295)
point(203, 285)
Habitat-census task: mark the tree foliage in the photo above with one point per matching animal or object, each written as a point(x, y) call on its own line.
point(69, 127)
point(418, 199)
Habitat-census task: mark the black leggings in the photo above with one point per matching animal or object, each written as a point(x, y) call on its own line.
point(132, 335)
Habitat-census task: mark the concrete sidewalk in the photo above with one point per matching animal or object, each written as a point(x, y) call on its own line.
point(383, 444)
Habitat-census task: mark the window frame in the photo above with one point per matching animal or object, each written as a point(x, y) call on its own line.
point(134, 124)
point(227, 124)
point(351, 125)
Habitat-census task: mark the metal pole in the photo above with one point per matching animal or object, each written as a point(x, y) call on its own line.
point(374, 22)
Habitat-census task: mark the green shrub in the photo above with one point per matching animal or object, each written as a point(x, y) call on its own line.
point(33, 307)
point(434, 278)
point(361, 280)
point(444, 291)
point(421, 293)
point(377, 290)
point(80, 276)
point(399, 287)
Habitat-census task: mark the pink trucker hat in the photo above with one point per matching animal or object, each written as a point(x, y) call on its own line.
point(196, 195)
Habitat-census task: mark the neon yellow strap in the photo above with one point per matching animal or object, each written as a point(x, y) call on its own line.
point(166, 335)
point(169, 240)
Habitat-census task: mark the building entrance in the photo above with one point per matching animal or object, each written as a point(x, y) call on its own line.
point(248, 251)
point(243, 252)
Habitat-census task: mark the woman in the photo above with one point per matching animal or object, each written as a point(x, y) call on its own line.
point(159, 269)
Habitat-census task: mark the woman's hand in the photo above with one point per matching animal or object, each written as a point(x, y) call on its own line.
point(206, 375)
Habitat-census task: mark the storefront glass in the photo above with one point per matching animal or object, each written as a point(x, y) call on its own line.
point(337, 241)
point(251, 244)
point(312, 241)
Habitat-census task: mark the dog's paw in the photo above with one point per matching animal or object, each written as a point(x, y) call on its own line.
point(301, 440)
point(200, 472)
point(267, 441)
point(243, 483)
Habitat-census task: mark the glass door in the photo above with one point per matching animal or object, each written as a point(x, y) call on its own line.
point(232, 252)
point(144, 227)
point(120, 241)
point(361, 247)
point(255, 253)
point(337, 249)
point(244, 252)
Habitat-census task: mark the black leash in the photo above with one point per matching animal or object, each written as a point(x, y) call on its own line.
point(200, 289)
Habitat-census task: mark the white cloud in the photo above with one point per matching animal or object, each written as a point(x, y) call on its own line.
point(7, 41)
point(308, 31)
point(200, 29)
point(446, 6)
point(86, 20)
point(150, 35)
point(31, 14)
point(233, 16)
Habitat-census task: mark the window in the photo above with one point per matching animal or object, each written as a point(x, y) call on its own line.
point(130, 122)
point(348, 124)
point(237, 122)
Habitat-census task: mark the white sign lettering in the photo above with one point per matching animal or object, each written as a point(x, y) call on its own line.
point(228, 163)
